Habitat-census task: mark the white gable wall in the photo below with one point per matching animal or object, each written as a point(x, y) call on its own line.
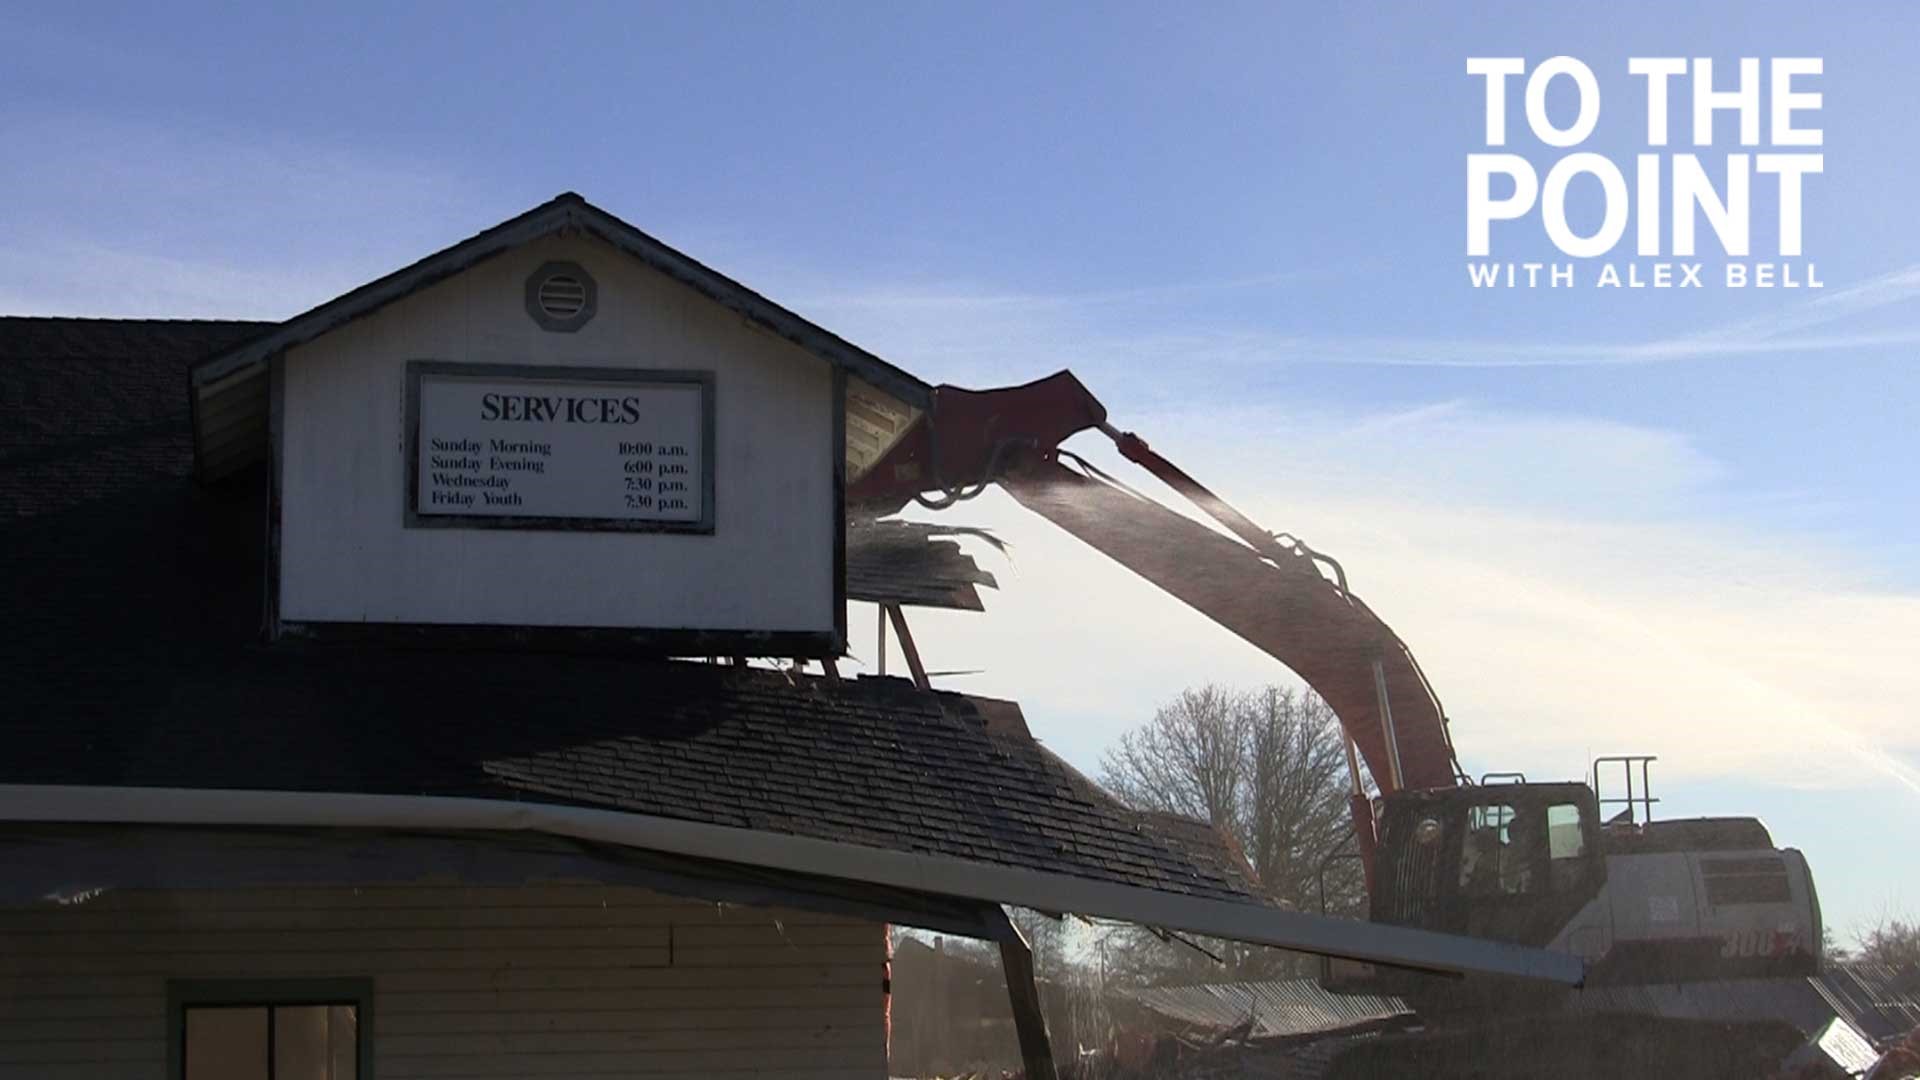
point(345, 555)
point(467, 981)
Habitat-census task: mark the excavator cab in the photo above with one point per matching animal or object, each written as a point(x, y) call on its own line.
point(1642, 901)
point(1509, 862)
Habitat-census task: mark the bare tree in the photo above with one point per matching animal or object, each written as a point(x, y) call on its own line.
point(1831, 948)
point(1297, 812)
point(1190, 759)
point(1049, 941)
point(1268, 768)
point(1894, 942)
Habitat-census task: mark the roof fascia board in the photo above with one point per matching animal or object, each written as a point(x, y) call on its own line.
point(300, 329)
point(967, 879)
point(752, 306)
point(569, 211)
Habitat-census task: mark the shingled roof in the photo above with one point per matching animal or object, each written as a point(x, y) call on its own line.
point(97, 407)
point(131, 657)
point(910, 562)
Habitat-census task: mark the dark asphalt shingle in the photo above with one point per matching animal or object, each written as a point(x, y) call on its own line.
point(905, 562)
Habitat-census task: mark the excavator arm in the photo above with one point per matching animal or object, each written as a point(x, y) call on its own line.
point(1273, 591)
point(1280, 604)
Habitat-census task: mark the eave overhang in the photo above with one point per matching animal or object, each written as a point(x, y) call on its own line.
point(935, 875)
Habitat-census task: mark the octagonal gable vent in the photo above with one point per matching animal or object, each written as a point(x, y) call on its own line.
point(561, 296)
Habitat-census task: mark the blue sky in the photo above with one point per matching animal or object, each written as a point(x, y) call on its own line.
point(1681, 521)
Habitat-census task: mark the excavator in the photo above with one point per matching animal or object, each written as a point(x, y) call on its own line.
point(1559, 865)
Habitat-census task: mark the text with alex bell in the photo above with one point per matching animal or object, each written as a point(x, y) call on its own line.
point(1633, 275)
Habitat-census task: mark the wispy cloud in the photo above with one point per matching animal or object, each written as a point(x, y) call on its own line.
point(1560, 574)
point(981, 327)
point(1781, 331)
point(84, 278)
point(946, 299)
point(112, 218)
point(1887, 289)
point(1549, 633)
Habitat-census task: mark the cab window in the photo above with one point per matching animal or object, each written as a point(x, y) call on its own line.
point(1494, 858)
point(1565, 840)
point(1566, 844)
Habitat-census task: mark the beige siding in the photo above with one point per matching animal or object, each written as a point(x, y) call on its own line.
point(533, 982)
point(346, 555)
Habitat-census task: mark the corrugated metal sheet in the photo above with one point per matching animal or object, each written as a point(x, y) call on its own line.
point(1277, 1007)
point(1878, 1000)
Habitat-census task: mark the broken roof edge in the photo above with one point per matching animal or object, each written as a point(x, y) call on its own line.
point(567, 210)
point(916, 564)
point(1202, 843)
point(893, 868)
point(1202, 840)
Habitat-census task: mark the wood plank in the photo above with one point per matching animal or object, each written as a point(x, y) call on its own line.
point(282, 964)
point(409, 895)
point(84, 920)
point(723, 1015)
point(869, 1061)
point(90, 1070)
point(647, 1041)
point(864, 998)
point(335, 938)
point(68, 1051)
point(610, 979)
point(1036, 1047)
point(150, 1024)
point(768, 935)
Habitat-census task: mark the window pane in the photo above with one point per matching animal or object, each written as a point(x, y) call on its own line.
point(1564, 838)
point(1520, 857)
point(226, 1044)
point(307, 1046)
point(343, 1029)
point(1482, 849)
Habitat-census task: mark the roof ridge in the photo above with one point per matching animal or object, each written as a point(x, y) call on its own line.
point(567, 210)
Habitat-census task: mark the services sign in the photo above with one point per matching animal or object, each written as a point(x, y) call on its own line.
point(512, 446)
